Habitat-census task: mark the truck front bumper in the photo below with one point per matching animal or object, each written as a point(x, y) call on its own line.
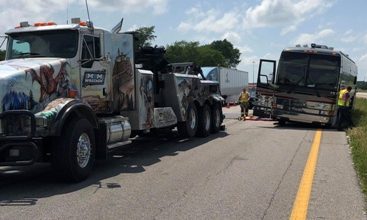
point(18, 144)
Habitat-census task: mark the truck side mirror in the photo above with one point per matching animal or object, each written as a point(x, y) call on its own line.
point(5, 38)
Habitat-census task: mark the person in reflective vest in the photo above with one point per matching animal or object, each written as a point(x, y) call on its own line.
point(243, 99)
point(344, 113)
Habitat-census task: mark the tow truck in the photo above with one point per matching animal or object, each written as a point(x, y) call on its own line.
point(74, 93)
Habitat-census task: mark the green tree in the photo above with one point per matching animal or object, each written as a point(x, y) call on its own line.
point(144, 36)
point(217, 53)
point(231, 54)
point(183, 51)
point(208, 56)
point(362, 85)
point(2, 54)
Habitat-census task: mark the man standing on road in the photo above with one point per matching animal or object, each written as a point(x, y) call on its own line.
point(344, 113)
point(243, 99)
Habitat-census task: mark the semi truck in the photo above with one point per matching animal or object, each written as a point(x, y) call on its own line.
point(231, 81)
point(71, 94)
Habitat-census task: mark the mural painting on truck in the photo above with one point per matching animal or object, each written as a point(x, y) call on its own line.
point(33, 84)
point(123, 83)
point(187, 89)
point(147, 102)
point(184, 88)
point(114, 92)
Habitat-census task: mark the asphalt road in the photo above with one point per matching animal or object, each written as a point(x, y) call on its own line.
point(362, 95)
point(250, 171)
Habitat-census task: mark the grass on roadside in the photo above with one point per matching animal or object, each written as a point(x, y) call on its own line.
point(358, 141)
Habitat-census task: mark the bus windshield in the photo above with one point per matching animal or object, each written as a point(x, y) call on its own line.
point(309, 70)
point(60, 43)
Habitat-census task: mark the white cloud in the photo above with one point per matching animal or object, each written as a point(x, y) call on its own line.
point(250, 64)
point(365, 39)
point(362, 66)
point(45, 10)
point(288, 29)
point(126, 6)
point(269, 12)
point(184, 27)
point(32, 11)
point(245, 50)
point(285, 13)
point(349, 37)
point(315, 37)
point(232, 37)
point(209, 21)
point(247, 60)
point(134, 27)
point(363, 58)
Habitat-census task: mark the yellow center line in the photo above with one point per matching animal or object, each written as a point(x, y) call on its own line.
point(300, 204)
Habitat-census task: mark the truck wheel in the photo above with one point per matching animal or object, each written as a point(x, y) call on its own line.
point(281, 122)
point(74, 154)
point(204, 125)
point(189, 127)
point(216, 118)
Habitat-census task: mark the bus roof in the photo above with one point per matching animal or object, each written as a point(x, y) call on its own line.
point(314, 50)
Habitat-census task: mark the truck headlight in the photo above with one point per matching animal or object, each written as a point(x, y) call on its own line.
point(41, 122)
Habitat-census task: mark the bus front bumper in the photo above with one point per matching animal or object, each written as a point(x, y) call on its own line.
point(302, 117)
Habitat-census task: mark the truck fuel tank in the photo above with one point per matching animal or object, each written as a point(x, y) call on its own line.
point(118, 129)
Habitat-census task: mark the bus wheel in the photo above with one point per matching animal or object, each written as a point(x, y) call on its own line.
point(74, 153)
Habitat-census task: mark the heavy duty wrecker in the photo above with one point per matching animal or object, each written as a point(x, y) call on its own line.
point(73, 93)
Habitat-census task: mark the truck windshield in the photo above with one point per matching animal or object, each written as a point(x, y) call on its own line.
point(60, 43)
point(309, 70)
point(210, 73)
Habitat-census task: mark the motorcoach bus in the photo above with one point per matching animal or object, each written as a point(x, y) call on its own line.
point(305, 86)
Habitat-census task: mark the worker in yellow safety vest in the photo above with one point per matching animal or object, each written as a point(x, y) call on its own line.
point(243, 99)
point(344, 113)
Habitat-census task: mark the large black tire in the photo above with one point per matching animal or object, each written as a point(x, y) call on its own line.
point(189, 127)
point(216, 118)
point(204, 125)
point(74, 152)
point(282, 122)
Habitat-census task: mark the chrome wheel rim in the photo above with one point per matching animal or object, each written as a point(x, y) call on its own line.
point(83, 150)
point(217, 118)
point(192, 119)
point(207, 121)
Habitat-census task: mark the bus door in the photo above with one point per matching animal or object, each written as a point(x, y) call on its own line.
point(265, 88)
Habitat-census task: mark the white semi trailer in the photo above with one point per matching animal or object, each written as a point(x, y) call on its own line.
point(231, 81)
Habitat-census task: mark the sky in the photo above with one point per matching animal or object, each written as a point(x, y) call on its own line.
point(258, 28)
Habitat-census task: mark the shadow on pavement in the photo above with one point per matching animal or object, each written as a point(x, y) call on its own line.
point(24, 186)
point(300, 126)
